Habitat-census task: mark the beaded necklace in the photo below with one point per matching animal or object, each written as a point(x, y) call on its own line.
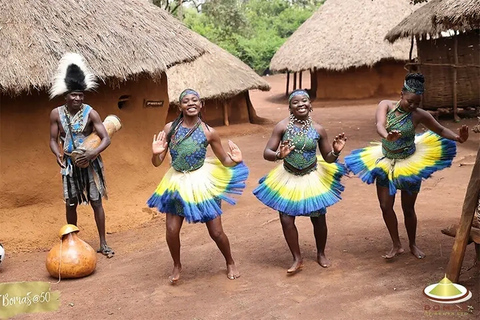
point(305, 126)
point(78, 117)
point(392, 119)
point(175, 141)
point(399, 109)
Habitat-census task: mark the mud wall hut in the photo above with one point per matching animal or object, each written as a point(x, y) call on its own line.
point(128, 44)
point(222, 80)
point(448, 37)
point(343, 46)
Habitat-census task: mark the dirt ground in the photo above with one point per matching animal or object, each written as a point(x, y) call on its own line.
point(358, 285)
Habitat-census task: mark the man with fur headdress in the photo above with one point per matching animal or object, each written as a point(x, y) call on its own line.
point(72, 123)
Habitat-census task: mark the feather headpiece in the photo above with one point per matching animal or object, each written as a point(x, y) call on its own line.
point(72, 75)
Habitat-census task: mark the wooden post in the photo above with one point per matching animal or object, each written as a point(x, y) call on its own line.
point(411, 50)
point(294, 81)
point(455, 53)
point(313, 83)
point(468, 211)
point(419, 61)
point(288, 83)
point(300, 80)
point(226, 104)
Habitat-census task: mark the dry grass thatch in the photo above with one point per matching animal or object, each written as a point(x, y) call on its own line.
point(118, 38)
point(418, 23)
point(216, 74)
point(344, 34)
point(437, 16)
point(459, 14)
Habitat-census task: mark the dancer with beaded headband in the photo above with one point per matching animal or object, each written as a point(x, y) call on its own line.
point(192, 189)
point(305, 184)
point(403, 159)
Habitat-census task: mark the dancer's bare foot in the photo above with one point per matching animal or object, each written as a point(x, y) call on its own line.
point(417, 252)
point(393, 252)
point(296, 266)
point(323, 261)
point(232, 272)
point(175, 276)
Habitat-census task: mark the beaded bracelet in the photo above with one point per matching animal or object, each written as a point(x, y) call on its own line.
point(336, 155)
point(277, 156)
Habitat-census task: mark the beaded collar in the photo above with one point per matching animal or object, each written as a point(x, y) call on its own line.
point(77, 118)
point(303, 129)
point(305, 126)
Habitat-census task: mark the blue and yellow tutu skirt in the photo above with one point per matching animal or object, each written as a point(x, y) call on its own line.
point(196, 195)
point(432, 153)
point(305, 195)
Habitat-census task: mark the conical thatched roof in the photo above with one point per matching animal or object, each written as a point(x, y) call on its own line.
point(118, 38)
point(459, 14)
point(344, 34)
point(216, 74)
point(437, 16)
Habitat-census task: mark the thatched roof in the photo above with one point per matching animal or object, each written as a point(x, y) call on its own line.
point(459, 14)
point(418, 23)
point(344, 34)
point(216, 74)
point(118, 38)
point(437, 16)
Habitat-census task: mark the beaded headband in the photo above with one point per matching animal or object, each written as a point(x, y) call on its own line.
point(188, 91)
point(298, 93)
point(410, 89)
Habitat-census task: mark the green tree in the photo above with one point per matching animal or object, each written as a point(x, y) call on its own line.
point(252, 30)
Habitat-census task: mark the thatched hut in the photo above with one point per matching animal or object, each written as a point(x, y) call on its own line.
point(448, 44)
point(129, 44)
point(223, 82)
point(458, 14)
point(343, 46)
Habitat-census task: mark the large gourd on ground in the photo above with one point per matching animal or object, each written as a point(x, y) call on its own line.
point(72, 257)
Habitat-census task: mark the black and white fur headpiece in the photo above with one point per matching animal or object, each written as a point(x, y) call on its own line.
point(72, 75)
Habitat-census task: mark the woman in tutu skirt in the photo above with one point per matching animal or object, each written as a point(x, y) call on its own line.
point(305, 184)
point(194, 186)
point(403, 159)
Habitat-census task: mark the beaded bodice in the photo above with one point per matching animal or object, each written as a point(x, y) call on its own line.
point(405, 145)
point(78, 123)
point(305, 140)
point(188, 154)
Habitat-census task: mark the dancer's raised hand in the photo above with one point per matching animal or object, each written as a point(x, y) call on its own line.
point(339, 142)
point(159, 144)
point(235, 154)
point(284, 149)
point(463, 134)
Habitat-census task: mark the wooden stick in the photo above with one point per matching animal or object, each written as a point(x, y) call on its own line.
point(455, 53)
point(474, 235)
point(468, 211)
